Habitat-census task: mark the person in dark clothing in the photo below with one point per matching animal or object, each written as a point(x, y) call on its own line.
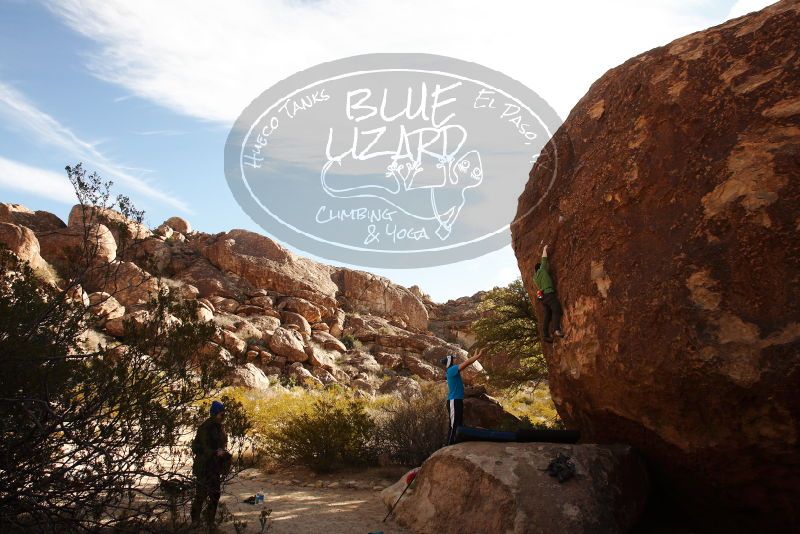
point(455, 393)
point(547, 295)
point(211, 462)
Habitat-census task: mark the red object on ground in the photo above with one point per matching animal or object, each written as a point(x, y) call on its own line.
point(411, 476)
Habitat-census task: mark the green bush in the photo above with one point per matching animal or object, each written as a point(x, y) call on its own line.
point(89, 435)
point(350, 342)
point(410, 430)
point(334, 431)
point(329, 428)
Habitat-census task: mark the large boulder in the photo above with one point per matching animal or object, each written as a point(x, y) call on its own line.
point(484, 411)
point(423, 369)
point(64, 247)
point(389, 360)
point(319, 356)
point(328, 341)
point(249, 376)
point(504, 487)
point(295, 321)
point(126, 281)
point(157, 256)
point(121, 227)
point(336, 323)
point(230, 341)
point(363, 362)
point(224, 304)
point(180, 290)
point(127, 324)
point(305, 308)
point(392, 494)
point(38, 221)
point(324, 375)
point(164, 231)
point(402, 387)
point(378, 295)
point(209, 280)
point(289, 344)
point(673, 217)
point(22, 242)
point(266, 264)
point(266, 324)
point(179, 224)
point(105, 307)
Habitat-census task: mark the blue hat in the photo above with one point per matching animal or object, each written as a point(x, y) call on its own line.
point(217, 407)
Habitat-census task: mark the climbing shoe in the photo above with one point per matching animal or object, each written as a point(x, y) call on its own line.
point(547, 339)
point(558, 333)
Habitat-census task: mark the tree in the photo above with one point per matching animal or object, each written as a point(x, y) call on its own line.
point(507, 332)
point(82, 427)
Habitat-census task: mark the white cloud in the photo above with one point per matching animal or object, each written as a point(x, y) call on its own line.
point(167, 133)
point(47, 130)
point(743, 7)
point(36, 181)
point(209, 59)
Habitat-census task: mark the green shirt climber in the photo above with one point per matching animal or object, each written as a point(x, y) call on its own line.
point(548, 298)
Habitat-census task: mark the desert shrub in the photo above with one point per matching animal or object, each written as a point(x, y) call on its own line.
point(85, 431)
point(269, 411)
point(322, 430)
point(410, 430)
point(350, 342)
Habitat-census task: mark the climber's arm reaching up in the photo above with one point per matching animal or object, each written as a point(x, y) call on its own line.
point(463, 365)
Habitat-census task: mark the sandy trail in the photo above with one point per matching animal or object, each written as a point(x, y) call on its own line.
point(304, 510)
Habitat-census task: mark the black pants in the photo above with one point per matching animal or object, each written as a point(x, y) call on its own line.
point(455, 411)
point(552, 311)
point(208, 488)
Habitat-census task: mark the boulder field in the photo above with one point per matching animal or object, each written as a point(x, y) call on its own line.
point(279, 317)
point(671, 202)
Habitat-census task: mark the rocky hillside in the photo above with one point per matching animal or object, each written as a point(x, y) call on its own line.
point(673, 226)
point(280, 316)
point(453, 319)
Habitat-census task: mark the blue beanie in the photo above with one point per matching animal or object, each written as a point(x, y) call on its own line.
point(217, 407)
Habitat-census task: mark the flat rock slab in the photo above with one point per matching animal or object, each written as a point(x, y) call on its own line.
point(503, 488)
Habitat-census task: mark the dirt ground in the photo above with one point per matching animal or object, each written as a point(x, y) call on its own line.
point(303, 503)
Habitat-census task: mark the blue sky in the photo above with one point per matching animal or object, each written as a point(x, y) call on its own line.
point(145, 92)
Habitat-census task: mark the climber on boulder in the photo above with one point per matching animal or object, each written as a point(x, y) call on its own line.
point(455, 392)
point(547, 295)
